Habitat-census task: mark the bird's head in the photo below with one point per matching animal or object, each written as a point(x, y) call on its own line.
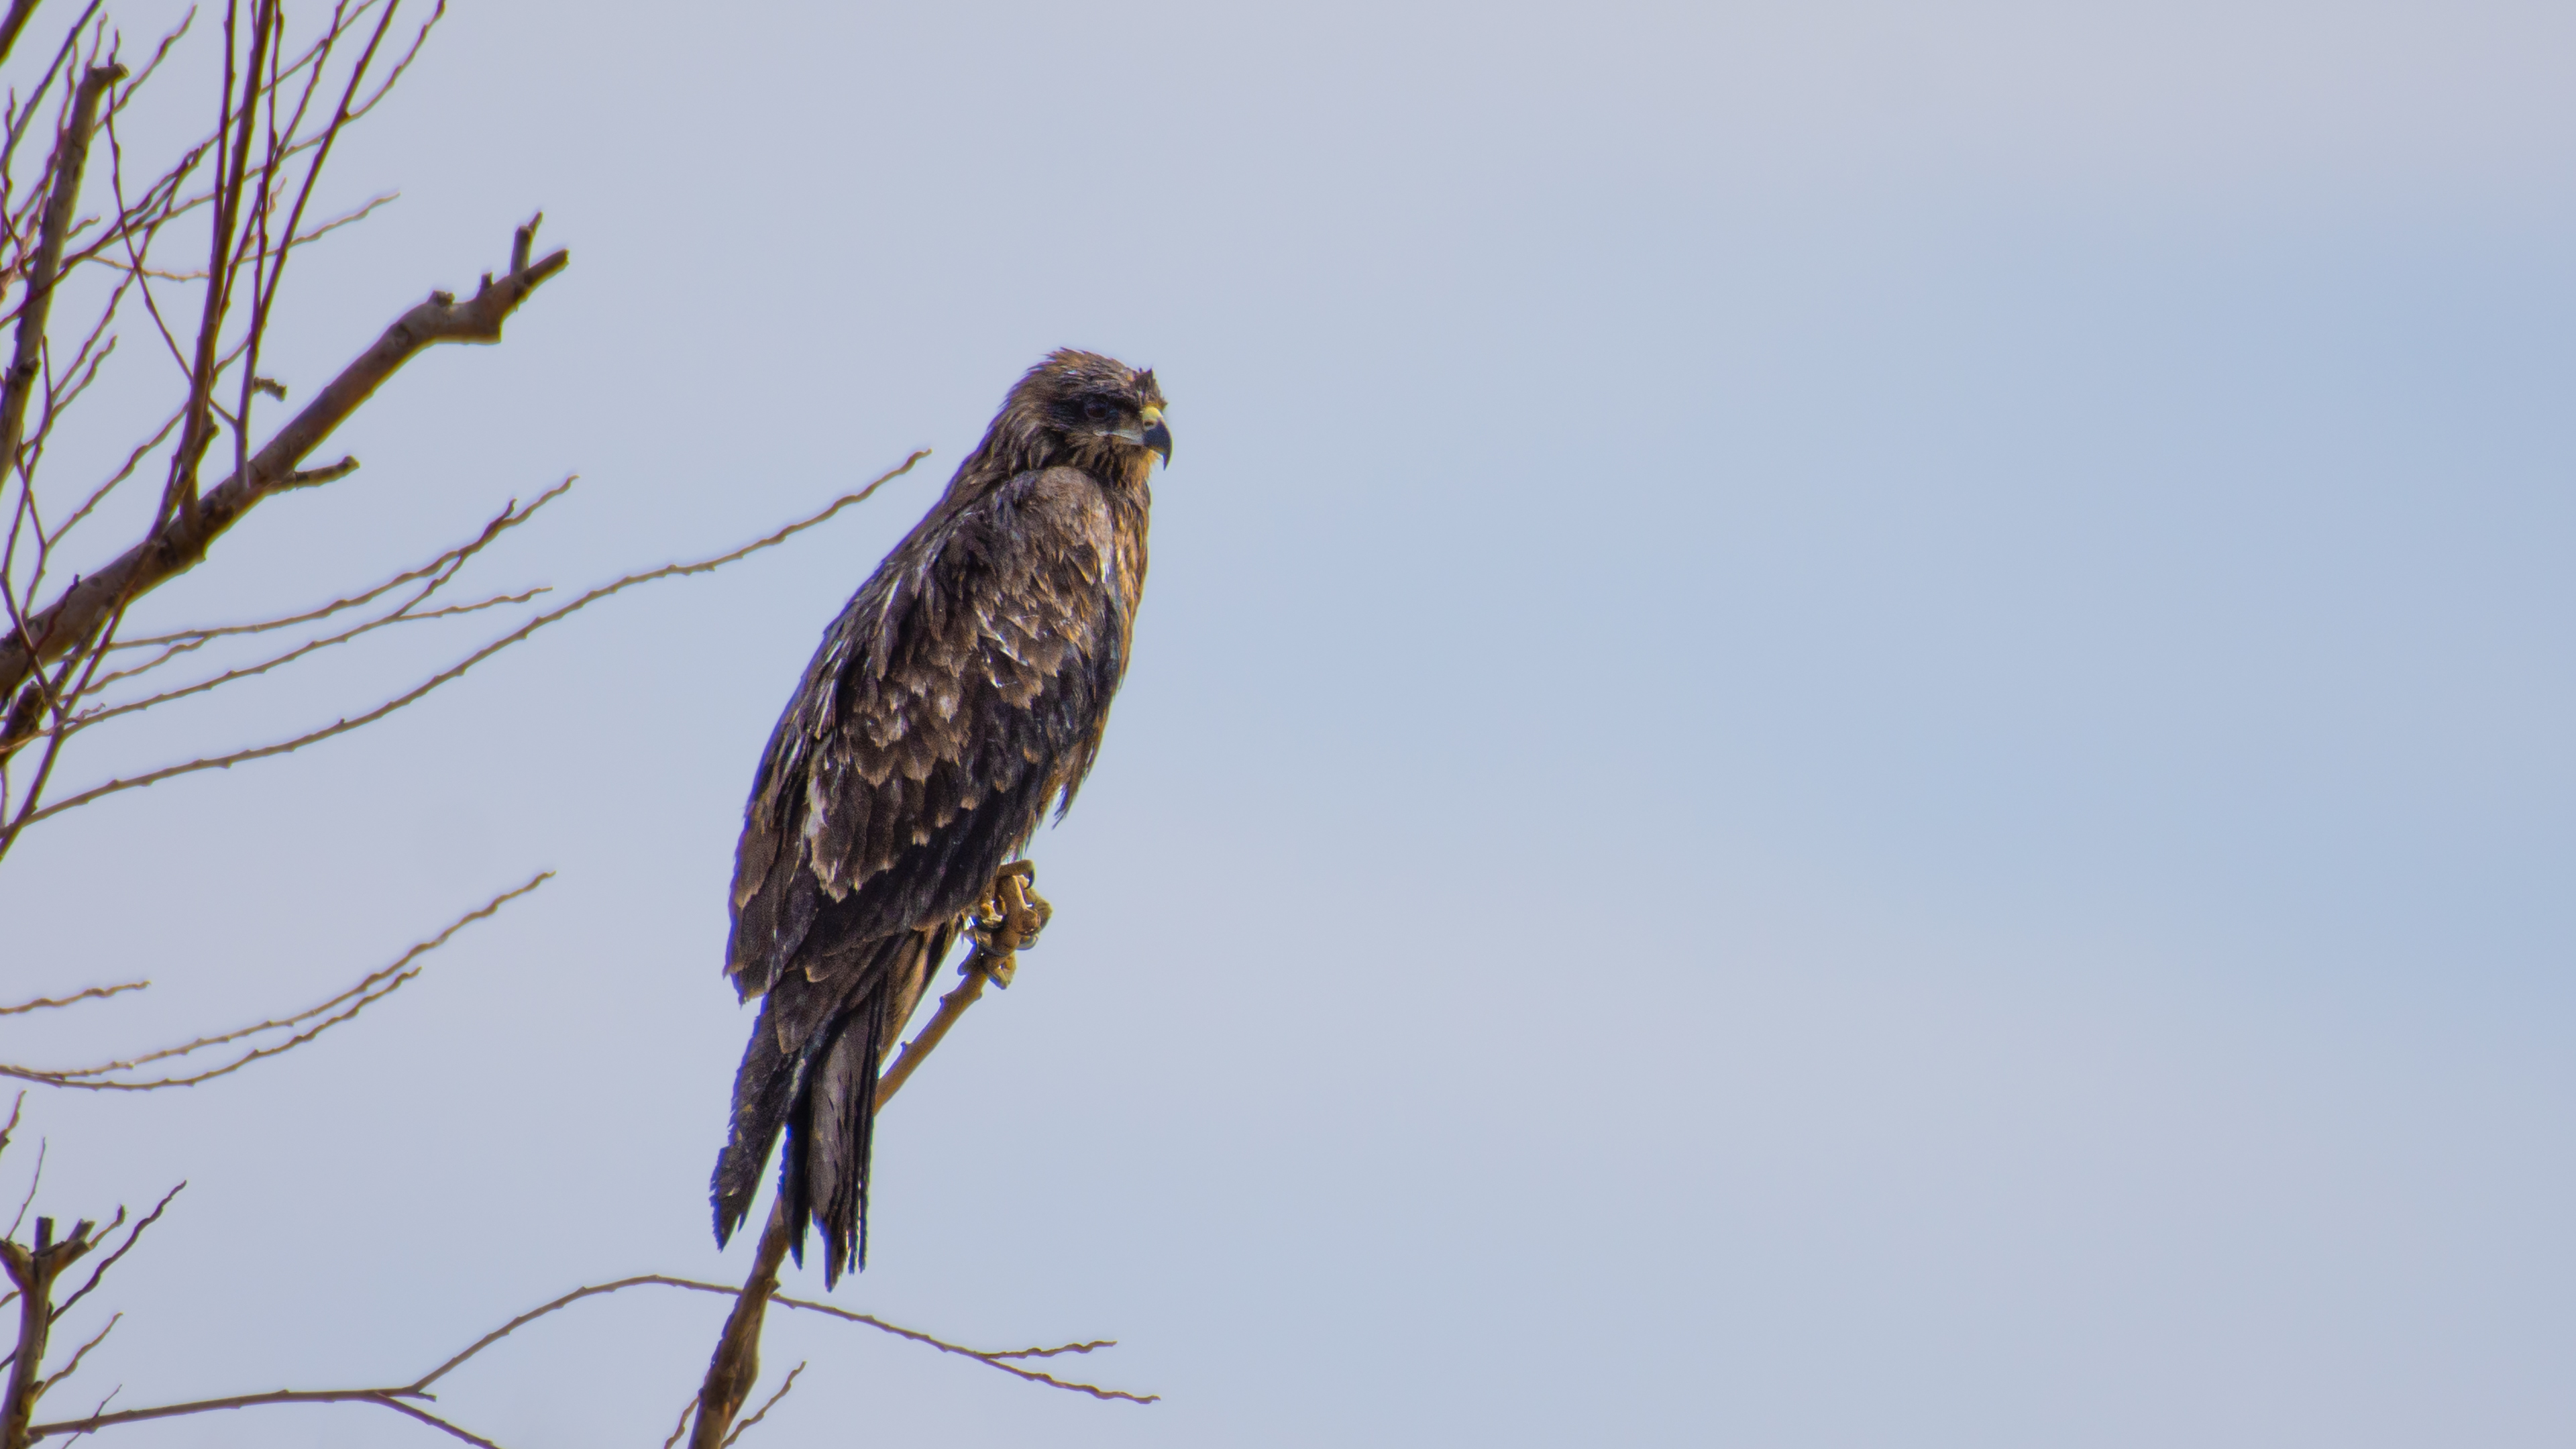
point(1080, 408)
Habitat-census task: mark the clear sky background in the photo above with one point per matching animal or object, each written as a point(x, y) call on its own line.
point(1852, 729)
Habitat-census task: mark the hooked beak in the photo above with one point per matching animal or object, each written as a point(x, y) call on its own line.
point(1157, 436)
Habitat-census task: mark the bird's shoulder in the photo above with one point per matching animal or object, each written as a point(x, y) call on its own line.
point(1018, 567)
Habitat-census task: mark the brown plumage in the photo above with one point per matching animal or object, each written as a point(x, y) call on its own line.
point(963, 688)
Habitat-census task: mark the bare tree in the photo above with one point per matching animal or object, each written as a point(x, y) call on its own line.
point(247, 184)
point(192, 256)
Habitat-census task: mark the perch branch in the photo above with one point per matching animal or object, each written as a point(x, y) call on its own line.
point(1009, 918)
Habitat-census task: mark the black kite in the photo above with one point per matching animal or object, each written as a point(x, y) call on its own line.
point(963, 689)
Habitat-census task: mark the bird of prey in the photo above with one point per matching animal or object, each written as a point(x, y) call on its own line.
point(962, 690)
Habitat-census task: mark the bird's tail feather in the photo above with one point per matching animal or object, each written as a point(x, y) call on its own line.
point(823, 1096)
point(763, 1087)
point(829, 1141)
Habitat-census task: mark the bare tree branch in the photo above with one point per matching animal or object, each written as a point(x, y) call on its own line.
point(438, 573)
point(82, 1352)
point(735, 1365)
point(91, 993)
point(347, 723)
point(435, 1422)
point(372, 988)
point(179, 543)
point(134, 1235)
point(68, 165)
point(102, 1407)
point(33, 1268)
point(682, 1427)
point(95, 255)
point(988, 1358)
point(264, 285)
point(132, 461)
point(1009, 917)
point(43, 1145)
point(763, 1411)
point(16, 21)
point(310, 477)
point(509, 517)
point(385, 1398)
point(402, 615)
point(232, 161)
point(70, 46)
point(1002, 1359)
point(394, 1396)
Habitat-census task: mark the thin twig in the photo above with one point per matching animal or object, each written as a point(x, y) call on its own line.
point(990, 1360)
point(132, 461)
point(91, 993)
point(99, 1270)
point(344, 725)
point(71, 156)
point(395, 1396)
point(82, 1352)
point(309, 477)
point(435, 1422)
point(508, 518)
point(179, 542)
point(763, 1411)
point(364, 985)
point(101, 1409)
point(70, 45)
point(382, 1397)
point(683, 1426)
point(232, 164)
point(375, 987)
point(42, 1144)
point(1000, 1359)
point(103, 713)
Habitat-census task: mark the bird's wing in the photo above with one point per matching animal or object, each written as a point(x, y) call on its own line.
point(964, 685)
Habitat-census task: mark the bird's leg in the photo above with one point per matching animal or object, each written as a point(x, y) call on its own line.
point(1008, 919)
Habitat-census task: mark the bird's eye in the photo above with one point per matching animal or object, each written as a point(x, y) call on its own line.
point(1095, 409)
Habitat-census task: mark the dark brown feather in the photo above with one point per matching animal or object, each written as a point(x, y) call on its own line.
point(962, 689)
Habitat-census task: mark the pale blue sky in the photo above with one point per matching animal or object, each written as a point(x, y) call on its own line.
point(1851, 730)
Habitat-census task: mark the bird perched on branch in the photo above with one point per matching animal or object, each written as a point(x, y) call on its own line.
point(961, 691)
